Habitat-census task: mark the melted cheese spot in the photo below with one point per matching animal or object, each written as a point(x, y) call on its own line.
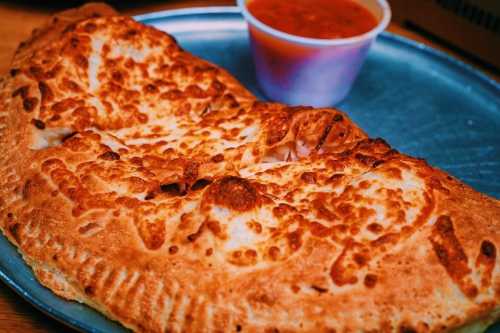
point(43, 139)
point(95, 61)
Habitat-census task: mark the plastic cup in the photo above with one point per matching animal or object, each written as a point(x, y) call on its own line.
point(308, 71)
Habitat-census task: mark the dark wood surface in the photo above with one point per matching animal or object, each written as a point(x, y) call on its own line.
point(18, 18)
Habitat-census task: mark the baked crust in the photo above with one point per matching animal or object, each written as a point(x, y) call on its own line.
point(150, 185)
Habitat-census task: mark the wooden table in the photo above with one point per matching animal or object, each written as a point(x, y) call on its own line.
point(18, 19)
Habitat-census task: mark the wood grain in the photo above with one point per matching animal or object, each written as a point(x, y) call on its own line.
point(18, 19)
point(17, 315)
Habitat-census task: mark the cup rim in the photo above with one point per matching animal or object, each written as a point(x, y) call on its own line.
point(383, 23)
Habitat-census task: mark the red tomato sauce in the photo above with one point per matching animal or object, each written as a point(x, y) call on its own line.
point(324, 19)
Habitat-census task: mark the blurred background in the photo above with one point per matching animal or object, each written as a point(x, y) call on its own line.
point(471, 27)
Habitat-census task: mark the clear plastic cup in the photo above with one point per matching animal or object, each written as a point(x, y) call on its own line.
point(308, 71)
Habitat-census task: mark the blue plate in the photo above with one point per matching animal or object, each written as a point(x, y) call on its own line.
point(421, 101)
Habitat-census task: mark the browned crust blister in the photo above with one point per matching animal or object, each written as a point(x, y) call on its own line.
point(151, 185)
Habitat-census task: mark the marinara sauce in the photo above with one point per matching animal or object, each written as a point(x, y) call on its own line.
point(324, 19)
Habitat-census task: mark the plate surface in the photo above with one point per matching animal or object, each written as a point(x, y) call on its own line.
point(421, 101)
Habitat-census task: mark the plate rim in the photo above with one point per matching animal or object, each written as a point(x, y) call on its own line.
point(146, 18)
point(40, 304)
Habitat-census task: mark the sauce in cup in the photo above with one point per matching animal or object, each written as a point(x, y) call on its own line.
point(324, 19)
point(309, 52)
